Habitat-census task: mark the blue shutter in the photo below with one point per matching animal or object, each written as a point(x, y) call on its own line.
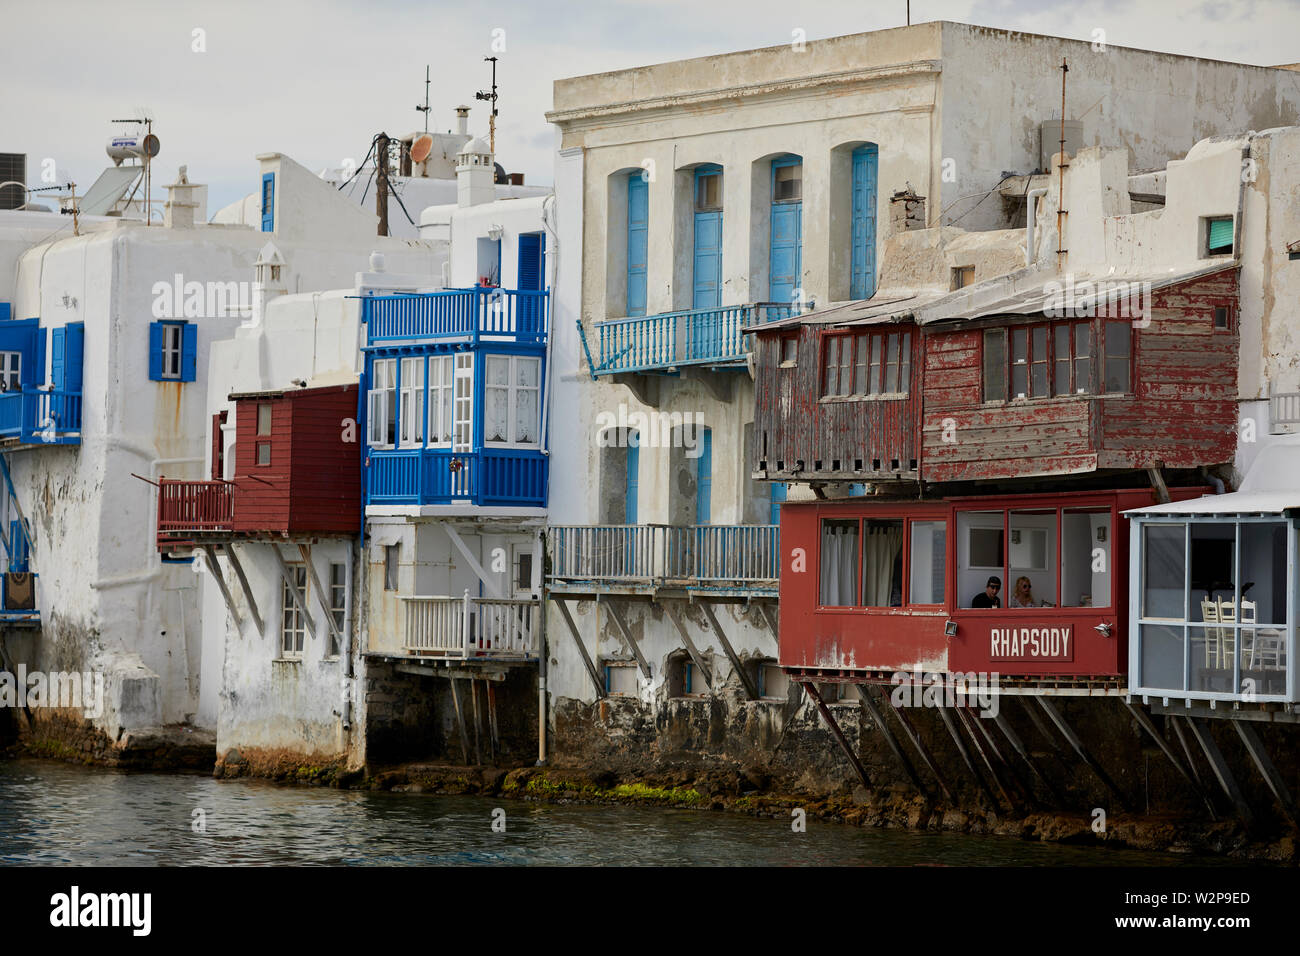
point(707, 292)
point(862, 283)
point(5, 313)
point(786, 252)
point(704, 476)
point(530, 261)
point(155, 351)
point(268, 202)
point(75, 355)
point(20, 336)
point(1220, 234)
point(58, 350)
point(638, 250)
point(18, 554)
point(189, 351)
point(778, 496)
point(633, 478)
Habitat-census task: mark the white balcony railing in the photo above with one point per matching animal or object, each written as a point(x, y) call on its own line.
point(470, 627)
point(648, 553)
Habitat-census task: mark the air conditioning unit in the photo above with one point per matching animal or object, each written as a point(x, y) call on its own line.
point(20, 591)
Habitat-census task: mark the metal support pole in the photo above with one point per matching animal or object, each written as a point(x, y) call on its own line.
point(1145, 722)
point(839, 734)
point(1073, 740)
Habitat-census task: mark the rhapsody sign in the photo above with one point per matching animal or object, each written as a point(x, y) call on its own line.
point(946, 690)
point(53, 689)
point(1031, 643)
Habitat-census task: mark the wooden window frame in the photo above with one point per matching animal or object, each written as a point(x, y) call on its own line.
point(876, 368)
point(1230, 307)
point(292, 619)
point(1050, 360)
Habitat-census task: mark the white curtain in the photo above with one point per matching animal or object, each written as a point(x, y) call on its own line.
point(839, 563)
point(883, 545)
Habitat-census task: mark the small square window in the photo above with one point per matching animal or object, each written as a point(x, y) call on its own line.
point(789, 351)
point(787, 183)
point(962, 276)
point(264, 419)
point(1218, 236)
point(1222, 318)
point(264, 453)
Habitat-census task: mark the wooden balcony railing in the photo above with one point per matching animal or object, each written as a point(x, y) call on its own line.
point(700, 555)
point(471, 627)
point(670, 339)
point(193, 507)
point(519, 314)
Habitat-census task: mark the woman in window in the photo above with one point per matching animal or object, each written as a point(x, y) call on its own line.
point(1022, 595)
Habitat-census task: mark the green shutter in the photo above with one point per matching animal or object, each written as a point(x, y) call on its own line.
point(1220, 235)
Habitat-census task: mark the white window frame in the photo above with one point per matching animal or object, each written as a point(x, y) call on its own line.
point(293, 623)
point(512, 391)
point(463, 403)
point(338, 602)
point(378, 408)
point(173, 348)
point(441, 401)
point(11, 371)
point(410, 427)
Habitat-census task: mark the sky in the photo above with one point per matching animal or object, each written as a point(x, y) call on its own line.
point(317, 80)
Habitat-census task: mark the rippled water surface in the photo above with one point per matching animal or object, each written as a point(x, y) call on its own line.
point(52, 813)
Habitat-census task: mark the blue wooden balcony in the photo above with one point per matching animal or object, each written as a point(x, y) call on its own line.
point(518, 315)
point(439, 476)
point(35, 416)
point(659, 343)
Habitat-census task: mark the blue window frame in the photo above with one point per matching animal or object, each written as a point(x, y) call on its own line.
point(707, 285)
point(268, 202)
point(173, 351)
point(638, 249)
point(862, 283)
point(786, 252)
point(704, 476)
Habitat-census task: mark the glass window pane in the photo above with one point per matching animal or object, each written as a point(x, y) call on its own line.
point(862, 387)
point(1163, 572)
point(980, 556)
point(1031, 559)
point(891, 365)
point(846, 366)
point(1019, 345)
point(905, 368)
point(1213, 550)
point(830, 375)
point(526, 415)
point(1040, 343)
point(875, 365)
point(882, 564)
point(995, 365)
point(1085, 558)
point(927, 562)
point(498, 370)
point(1039, 379)
point(526, 371)
point(1162, 654)
point(839, 563)
point(495, 421)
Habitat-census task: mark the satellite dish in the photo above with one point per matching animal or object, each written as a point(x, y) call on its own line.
point(421, 148)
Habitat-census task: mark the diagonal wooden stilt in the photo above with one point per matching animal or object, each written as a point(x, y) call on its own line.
point(979, 725)
point(473, 694)
point(839, 734)
point(870, 706)
point(460, 722)
point(910, 730)
point(1073, 740)
point(1191, 763)
point(689, 644)
point(736, 665)
point(627, 636)
point(1147, 724)
point(1255, 747)
point(946, 715)
point(1201, 731)
point(1036, 717)
point(582, 649)
point(1018, 746)
point(964, 716)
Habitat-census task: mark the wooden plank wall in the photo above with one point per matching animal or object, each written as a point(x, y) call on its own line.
point(326, 468)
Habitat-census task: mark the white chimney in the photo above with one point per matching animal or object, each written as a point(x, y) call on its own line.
point(179, 210)
point(462, 120)
point(475, 174)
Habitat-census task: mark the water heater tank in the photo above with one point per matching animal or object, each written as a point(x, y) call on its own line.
point(131, 146)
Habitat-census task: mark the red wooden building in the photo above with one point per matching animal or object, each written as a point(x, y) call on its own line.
point(296, 471)
point(972, 387)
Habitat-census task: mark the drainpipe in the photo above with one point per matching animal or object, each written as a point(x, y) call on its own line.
point(1031, 214)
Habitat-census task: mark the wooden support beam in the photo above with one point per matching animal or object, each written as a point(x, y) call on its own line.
point(1073, 740)
point(601, 693)
point(1201, 731)
point(460, 723)
point(322, 596)
point(689, 644)
point(980, 725)
point(1255, 747)
point(769, 612)
point(627, 635)
point(489, 584)
point(869, 706)
point(739, 668)
point(1146, 723)
point(243, 585)
point(1019, 747)
point(964, 716)
point(214, 567)
point(1036, 717)
point(298, 599)
point(916, 740)
point(492, 720)
point(839, 734)
point(1191, 759)
point(946, 715)
point(478, 722)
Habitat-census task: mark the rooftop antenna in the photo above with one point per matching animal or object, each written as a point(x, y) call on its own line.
point(1060, 192)
point(492, 98)
point(909, 12)
point(425, 108)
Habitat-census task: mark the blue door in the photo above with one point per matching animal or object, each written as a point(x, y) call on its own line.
point(863, 281)
point(74, 352)
point(531, 278)
point(268, 202)
point(704, 476)
point(708, 238)
point(633, 477)
point(638, 219)
point(786, 264)
point(58, 350)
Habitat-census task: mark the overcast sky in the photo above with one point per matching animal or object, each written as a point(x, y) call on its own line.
point(317, 80)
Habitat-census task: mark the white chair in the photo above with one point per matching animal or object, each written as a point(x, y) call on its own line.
point(1227, 644)
point(1210, 615)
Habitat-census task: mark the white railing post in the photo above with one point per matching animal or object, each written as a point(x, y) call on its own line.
point(465, 622)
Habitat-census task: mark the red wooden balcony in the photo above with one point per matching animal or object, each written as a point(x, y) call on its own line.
point(187, 509)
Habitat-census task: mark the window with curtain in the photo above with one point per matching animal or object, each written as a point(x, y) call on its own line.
point(412, 423)
point(382, 424)
point(839, 562)
point(882, 563)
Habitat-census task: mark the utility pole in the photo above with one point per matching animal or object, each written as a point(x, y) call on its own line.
point(381, 182)
point(425, 108)
point(491, 97)
point(1060, 191)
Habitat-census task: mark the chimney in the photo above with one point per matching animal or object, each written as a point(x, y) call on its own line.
point(178, 211)
point(907, 210)
point(475, 174)
point(462, 120)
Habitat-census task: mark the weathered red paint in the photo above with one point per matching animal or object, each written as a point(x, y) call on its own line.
point(862, 640)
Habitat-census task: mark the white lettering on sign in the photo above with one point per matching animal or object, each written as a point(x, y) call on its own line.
point(1031, 643)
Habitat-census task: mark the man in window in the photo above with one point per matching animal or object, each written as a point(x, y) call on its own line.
point(989, 596)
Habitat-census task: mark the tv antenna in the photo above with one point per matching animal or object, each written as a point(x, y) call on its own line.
point(491, 97)
point(425, 108)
